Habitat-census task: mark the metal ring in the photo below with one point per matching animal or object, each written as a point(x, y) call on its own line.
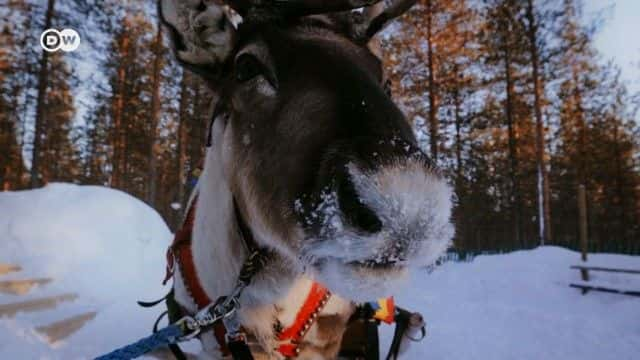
point(191, 324)
point(424, 334)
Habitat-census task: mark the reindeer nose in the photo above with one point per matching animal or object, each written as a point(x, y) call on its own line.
point(369, 156)
point(356, 213)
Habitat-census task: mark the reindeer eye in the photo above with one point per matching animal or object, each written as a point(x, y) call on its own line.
point(248, 67)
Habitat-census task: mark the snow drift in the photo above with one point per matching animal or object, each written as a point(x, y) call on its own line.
point(100, 249)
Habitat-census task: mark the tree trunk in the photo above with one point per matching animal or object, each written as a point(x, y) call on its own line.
point(544, 210)
point(582, 129)
point(513, 156)
point(155, 115)
point(196, 126)
point(119, 130)
point(433, 120)
point(581, 163)
point(456, 100)
point(181, 148)
point(43, 80)
point(619, 181)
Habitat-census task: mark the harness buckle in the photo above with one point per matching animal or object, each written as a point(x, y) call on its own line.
point(224, 309)
point(231, 321)
point(190, 328)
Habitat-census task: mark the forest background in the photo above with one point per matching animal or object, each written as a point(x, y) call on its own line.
point(510, 97)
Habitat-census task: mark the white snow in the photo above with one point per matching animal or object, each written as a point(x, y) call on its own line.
point(108, 248)
point(100, 244)
point(519, 306)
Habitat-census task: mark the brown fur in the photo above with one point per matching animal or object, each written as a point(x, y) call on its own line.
point(300, 98)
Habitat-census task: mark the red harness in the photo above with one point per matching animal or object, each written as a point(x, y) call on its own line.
point(292, 335)
point(180, 254)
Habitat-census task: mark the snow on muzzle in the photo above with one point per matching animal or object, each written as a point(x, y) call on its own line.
point(413, 205)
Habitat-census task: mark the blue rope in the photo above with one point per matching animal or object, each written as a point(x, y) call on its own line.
point(163, 337)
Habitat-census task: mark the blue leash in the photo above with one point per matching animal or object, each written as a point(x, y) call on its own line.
point(188, 327)
point(163, 337)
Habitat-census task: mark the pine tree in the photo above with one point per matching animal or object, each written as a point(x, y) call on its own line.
point(595, 144)
point(576, 69)
point(504, 42)
point(130, 101)
point(427, 54)
point(58, 150)
point(17, 75)
point(181, 145)
point(96, 157)
point(158, 55)
point(498, 91)
point(539, 19)
point(43, 79)
point(11, 164)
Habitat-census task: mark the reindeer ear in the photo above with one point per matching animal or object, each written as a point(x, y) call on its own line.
point(201, 34)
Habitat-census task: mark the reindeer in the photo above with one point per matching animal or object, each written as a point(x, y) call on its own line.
point(308, 150)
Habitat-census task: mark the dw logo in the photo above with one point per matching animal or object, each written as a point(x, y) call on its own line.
point(53, 40)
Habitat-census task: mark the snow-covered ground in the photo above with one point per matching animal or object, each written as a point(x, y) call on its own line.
point(519, 306)
point(89, 253)
point(96, 251)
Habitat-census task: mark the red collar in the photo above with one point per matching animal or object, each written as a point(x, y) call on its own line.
point(291, 336)
point(180, 254)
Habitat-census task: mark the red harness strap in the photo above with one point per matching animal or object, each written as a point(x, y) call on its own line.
point(180, 250)
point(292, 335)
point(179, 253)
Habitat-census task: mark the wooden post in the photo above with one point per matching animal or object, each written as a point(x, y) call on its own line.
point(582, 222)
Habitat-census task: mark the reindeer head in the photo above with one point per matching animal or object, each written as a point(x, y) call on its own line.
point(323, 165)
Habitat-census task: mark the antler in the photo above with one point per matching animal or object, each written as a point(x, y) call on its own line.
point(377, 22)
point(298, 7)
point(363, 25)
point(371, 21)
point(201, 33)
point(203, 36)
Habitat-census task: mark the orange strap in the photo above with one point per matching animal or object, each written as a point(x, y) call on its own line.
point(291, 336)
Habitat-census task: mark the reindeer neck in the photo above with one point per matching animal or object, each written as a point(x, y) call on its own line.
point(218, 254)
point(216, 246)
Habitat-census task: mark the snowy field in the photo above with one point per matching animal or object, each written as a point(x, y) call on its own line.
point(74, 259)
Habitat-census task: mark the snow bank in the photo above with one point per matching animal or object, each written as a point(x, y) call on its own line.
point(103, 246)
point(519, 306)
point(108, 248)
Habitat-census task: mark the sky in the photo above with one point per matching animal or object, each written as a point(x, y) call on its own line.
point(619, 37)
